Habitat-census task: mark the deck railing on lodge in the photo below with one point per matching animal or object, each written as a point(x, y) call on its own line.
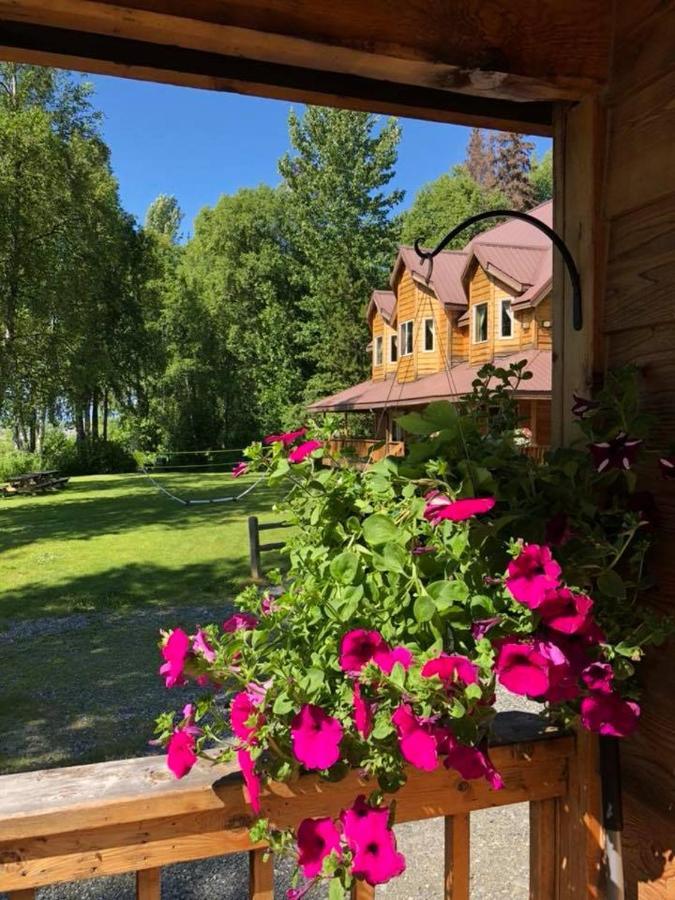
point(371, 450)
point(110, 818)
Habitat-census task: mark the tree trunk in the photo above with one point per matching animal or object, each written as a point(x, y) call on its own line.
point(94, 414)
point(80, 432)
point(105, 415)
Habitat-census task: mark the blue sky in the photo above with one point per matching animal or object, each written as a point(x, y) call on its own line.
point(200, 144)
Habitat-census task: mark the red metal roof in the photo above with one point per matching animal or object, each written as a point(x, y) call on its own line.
point(442, 385)
point(446, 273)
point(385, 302)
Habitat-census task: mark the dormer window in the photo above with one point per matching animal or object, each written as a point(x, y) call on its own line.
point(377, 351)
point(393, 348)
point(505, 319)
point(406, 338)
point(480, 323)
point(429, 335)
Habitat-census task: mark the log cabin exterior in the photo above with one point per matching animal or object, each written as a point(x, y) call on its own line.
point(431, 333)
point(597, 75)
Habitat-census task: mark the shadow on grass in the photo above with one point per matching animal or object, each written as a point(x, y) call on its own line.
point(92, 693)
point(89, 508)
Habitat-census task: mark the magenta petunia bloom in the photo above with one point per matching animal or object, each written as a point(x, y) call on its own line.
point(287, 438)
point(667, 466)
point(566, 612)
point(531, 574)
point(175, 651)
point(440, 507)
point(386, 659)
point(243, 709)
point(302, 451)
point(451, 669)
point(619, 452)
point(358, 647)
point(471, 762)
point(240, 621)
point(523, 668)
point(317, 839)
point(480, 627)
point(251, 779)
point(609, 714)
point(200, 645)
point(582, 406)
point(598, 677)
point(240, 469)
point(181, 755)
point(316, 737)
point(269, 605)
point(416, 741)
point(372, 842)
point(363, 717)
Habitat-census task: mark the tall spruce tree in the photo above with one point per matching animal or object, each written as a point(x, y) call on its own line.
point(335, 179)
point(480, 159)
point(512, 169)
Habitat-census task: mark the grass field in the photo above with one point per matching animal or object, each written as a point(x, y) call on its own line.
point(87, 577)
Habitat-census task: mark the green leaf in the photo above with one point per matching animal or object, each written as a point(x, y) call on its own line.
point(414, 423)
point(282, 705)
point(395, 557)
point(379, 529)
point(446, 593)
point(442, 414)
point(345, 567)
point(424, 608)
point(610, 583)
point(335, 890)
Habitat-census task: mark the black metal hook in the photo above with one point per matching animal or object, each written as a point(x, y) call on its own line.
point(556, 240)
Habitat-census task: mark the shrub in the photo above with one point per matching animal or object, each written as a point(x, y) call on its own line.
point(17, 462)
point(86, 458)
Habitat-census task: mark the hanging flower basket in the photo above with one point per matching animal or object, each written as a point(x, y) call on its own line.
point(414, 590)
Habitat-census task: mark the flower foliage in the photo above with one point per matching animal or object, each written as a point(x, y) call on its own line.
point(413, 587)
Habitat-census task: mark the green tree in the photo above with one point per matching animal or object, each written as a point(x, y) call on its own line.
point(335, 181)
point(512, 169)
point(164, 216)
point(541, 177)
point(441, 204)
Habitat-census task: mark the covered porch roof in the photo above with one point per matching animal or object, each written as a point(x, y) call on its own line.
point(454, 383)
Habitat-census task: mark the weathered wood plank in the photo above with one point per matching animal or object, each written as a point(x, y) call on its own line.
point(260, 875)
point(457, 868)
point(28, 894)
point(149, 884)
point(362, 891)
point(543, 850)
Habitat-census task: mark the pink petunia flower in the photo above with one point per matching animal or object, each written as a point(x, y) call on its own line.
point(619, 452)
point(451, 669)
point(317, 839)
point(372, 842)
point(440, 507)
point(480, 627)
point(240, 621)
point(523, 668)
point(244, 710)
point(302, 451)
point(416, 740)
point(251, 779)
point(287, 438)
point(582, 406)
point(598, 677)
point(609, 714)
point(531, 574)
point(471, 762)
point(175, 651)
point(200, 645)
point(181, 755)
point(316, 737)
point(240, 469)
point(363, 717)
point(564, 611)
point(386, 659)
point(269, 605)
point(358, 647)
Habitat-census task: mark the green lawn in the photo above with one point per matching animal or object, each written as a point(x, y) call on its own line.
point(87, 577)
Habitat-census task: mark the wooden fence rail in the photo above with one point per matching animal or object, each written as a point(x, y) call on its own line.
point(132, 816)
point(255, 548)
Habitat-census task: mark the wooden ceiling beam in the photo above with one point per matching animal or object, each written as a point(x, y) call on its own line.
point(102, 54)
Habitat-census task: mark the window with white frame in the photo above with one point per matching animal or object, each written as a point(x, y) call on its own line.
point(393, 348)
point(377, 351)
point(480, 323)
point(406, 338)
point(429, 334)
point(505, 319)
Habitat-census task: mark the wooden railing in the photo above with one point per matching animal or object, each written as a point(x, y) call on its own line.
point(255, 548)
point(132, 816)
point(366, 449)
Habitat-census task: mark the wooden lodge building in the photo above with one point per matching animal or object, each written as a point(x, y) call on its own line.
point(430, 334)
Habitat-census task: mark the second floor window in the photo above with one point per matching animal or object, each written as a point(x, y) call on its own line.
point(480, 323)
point(429, 334)
point(393, 348)
point(505, 319)
point(378, 351)
point(406, 338)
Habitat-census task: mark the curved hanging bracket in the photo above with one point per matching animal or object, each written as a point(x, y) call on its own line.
point(556, 240)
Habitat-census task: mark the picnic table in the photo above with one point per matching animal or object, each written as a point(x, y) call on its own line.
point(35, 483)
